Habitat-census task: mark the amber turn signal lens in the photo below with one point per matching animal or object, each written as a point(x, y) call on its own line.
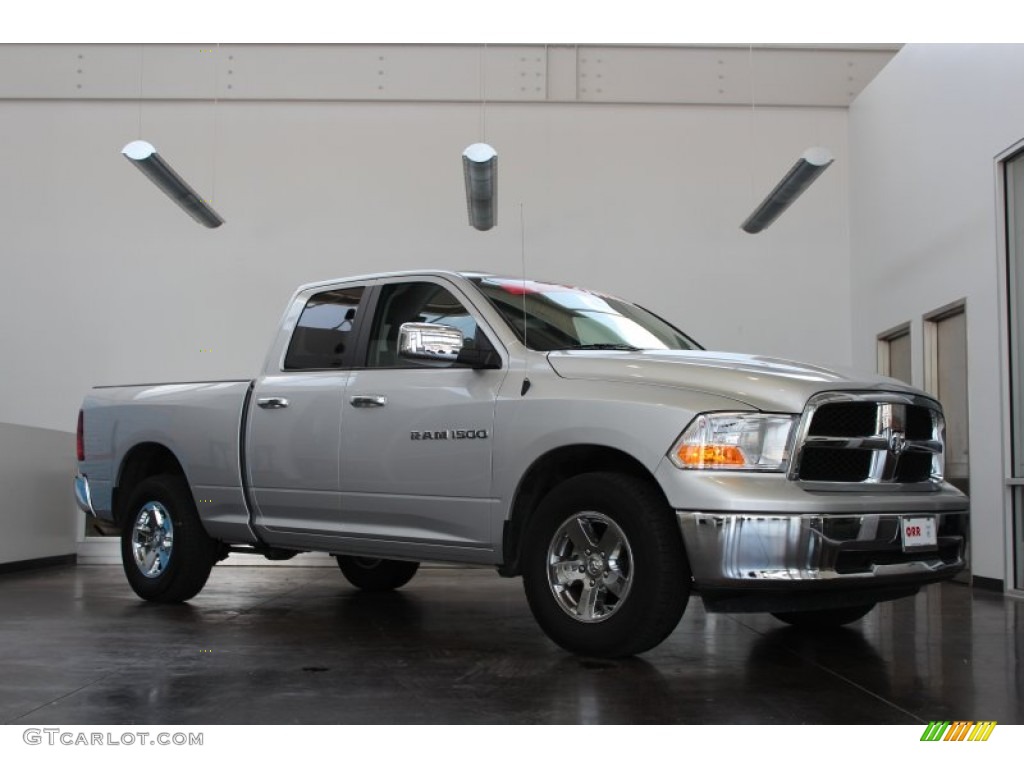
point(711, 456)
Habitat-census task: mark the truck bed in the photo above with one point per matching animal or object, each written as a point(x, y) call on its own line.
point(200, 422)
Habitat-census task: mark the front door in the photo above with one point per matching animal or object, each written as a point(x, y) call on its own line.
point(417, 437)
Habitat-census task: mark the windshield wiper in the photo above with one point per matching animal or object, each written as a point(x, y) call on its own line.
point(626, 347)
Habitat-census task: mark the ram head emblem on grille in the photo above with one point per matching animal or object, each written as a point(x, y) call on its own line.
point(897, 442)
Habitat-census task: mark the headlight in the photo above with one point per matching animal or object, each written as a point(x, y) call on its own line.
point(748, 441)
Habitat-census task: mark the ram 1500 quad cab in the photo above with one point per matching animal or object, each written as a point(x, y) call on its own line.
point(552, 432)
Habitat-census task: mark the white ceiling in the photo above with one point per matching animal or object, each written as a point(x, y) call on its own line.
point(767, 75)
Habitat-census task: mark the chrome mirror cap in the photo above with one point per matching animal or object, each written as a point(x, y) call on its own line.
point(427, 341)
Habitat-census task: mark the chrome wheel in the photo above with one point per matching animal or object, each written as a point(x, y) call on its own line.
point(152, 539)
point(590, 567)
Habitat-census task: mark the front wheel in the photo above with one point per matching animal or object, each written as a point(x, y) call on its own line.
point(373, 574)
point(827, 618)
point(604, 567)
point(166, 553)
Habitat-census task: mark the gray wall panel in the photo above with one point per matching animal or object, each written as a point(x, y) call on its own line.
point(37, 507)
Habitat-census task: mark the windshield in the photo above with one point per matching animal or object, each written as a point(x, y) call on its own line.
point(561, 317)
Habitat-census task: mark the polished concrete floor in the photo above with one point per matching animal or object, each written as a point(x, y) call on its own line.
point(298, 645)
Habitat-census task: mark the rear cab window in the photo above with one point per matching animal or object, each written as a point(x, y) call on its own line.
point(324, 336)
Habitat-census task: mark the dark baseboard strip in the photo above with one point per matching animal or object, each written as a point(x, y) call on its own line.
point(39, 562)
point(982, 582)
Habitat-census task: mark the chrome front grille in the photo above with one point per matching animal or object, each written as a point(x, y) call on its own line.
point(869, 438)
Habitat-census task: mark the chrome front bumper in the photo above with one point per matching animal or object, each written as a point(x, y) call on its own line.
point(83, 497)
point(784, 552)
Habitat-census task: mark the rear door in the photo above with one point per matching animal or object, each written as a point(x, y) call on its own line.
point(416, 442)
point(293, 437)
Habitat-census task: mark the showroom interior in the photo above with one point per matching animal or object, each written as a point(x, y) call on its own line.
point(625, 168)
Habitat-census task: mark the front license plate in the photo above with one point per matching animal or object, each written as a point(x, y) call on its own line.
point(919, 532)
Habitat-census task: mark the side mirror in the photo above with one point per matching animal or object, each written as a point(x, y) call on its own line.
point(427, 341)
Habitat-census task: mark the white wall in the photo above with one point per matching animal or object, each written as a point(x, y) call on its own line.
point(923, 138)
point(37, 511)
point(107, 281)
point(104, 280)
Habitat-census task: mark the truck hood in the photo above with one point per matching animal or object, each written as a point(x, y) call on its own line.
point(764, 383)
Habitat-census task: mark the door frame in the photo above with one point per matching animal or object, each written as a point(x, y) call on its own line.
point(1013, 571)
point(883, 348)
point(930, 358)
point(930, 338)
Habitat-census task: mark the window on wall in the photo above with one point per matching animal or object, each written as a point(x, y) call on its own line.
point(894, 353)
point(1013, 169)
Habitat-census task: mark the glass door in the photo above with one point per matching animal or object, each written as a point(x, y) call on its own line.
point(1013, 169)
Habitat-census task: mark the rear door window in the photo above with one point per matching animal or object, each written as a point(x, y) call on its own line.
point(325, 335)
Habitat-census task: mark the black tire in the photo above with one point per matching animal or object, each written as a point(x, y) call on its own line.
point(642, 578)
point(826, 618)
point(156, 570)
point(373, 574)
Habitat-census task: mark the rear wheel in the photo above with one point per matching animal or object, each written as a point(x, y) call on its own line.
point(827, 618)
point(373, 574)
point(166, 553)
point(604, 567)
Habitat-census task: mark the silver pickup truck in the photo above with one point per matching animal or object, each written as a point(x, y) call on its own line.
point(552, 432)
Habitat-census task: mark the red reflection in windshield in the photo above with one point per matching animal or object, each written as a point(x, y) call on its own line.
point(519, 287)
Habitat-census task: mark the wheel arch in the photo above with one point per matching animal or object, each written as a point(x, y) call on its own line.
point(140, 462)
point(546, 472)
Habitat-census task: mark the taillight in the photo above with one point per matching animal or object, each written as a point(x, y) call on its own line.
point(80, 440)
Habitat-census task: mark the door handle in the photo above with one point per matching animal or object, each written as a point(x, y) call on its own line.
point(272, 402)
point(368, 401)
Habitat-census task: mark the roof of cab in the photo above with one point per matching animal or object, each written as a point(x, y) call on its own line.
point(401, 273)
